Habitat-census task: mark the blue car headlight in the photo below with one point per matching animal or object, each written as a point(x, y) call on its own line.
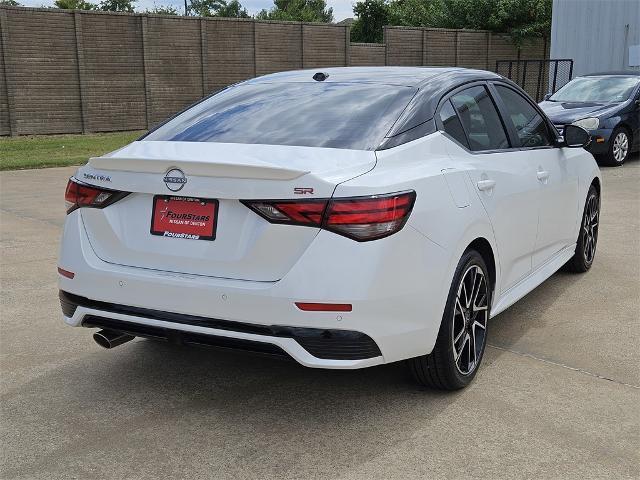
point(591, 123)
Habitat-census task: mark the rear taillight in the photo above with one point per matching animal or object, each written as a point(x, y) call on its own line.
point(80, 194)
point(358, 218)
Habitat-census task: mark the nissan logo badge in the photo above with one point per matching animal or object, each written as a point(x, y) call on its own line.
point(175, 179)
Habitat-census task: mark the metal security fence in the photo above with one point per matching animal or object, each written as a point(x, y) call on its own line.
point(539, 76)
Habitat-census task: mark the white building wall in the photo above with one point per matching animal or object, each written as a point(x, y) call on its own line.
point(597, 34)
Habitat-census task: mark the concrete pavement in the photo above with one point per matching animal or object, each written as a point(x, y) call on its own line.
point(557, 396)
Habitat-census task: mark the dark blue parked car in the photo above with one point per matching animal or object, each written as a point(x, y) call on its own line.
point(607, 105)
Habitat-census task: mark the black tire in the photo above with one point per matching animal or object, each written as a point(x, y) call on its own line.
point(615, 157)
point(588, 237)
point(440, 369)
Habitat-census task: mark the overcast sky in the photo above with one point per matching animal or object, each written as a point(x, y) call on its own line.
point(341, 8)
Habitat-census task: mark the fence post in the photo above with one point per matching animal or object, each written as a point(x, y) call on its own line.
point(456, 48)
point(82, 78)
point(145, 67)
point(386, 46)
point(347, 45)
point(424, 52)
point(302, 45)
point(204, 51)
point(9, 84)
point(255, 58)
point(489, 34)
point(540, 77)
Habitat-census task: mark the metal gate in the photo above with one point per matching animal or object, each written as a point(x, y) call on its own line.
point(537, 77)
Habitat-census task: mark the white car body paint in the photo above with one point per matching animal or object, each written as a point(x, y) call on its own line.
point(255, 270)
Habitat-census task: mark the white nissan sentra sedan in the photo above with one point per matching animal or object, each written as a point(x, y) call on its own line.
point(345, 218)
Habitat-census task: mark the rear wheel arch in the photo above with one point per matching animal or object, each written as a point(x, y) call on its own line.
point(483, 247)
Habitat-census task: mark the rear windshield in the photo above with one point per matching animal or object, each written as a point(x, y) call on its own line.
point(331, 115)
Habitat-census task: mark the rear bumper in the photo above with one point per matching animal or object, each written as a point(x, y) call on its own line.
point(324, 344)
point(395, 285)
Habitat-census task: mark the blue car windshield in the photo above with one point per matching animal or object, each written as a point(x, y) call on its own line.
point(318, 114)
point(596, 89)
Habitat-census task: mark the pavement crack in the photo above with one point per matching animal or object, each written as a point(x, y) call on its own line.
point(568, 367)
point(28, 217)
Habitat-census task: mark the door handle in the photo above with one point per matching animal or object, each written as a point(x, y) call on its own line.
point(542, 175)
point(484, 185)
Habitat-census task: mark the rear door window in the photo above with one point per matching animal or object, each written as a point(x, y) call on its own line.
point(480, 119)
point(451, 124)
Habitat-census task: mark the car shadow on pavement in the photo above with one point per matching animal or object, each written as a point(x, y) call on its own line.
point(256, 406)
point(530, 312)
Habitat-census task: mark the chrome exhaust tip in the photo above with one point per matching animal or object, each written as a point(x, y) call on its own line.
point(111, 339)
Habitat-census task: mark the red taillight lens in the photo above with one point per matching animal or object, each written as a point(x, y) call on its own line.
point(369, 218)
point(358, 218)
point(82, 195)
point(290, 212)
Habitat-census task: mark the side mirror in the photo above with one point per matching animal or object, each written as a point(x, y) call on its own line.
point(576, 137)
point(547, 96)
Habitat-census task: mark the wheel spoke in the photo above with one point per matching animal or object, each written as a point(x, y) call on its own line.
point(459, 308)
point(475, 302)
point(478, 324)
point(455, 340)
point(471, 349)
point(463, 287)
point(458, 353)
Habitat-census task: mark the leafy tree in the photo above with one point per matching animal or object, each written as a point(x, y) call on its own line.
point(117, 5)
point(520, 18)
point(163, 10)
point(371, 15)
point(233, 9)
point(217, 8)
point(298, 10)
point(75, 5)
point(204, 8)
point(10, 3)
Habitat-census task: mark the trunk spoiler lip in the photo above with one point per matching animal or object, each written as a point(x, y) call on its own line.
point(255, 170)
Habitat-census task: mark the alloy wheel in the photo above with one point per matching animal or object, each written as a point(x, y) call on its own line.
point(620, 147)
point(470, 315)
point(590, 227)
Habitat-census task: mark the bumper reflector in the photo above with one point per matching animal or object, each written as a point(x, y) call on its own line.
point(66, 273)
point(324, 307)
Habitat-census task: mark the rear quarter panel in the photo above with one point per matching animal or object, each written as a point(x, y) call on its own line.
point(445, 214)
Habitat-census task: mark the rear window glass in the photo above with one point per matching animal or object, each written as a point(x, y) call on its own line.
point(480, 119)
point(451, 123)
point(331, 115)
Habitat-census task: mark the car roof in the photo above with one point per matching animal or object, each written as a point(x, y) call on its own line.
point(431, 83)
point(620, 73)
point(399, 76)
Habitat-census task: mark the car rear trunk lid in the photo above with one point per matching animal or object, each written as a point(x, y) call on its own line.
point(246, 246)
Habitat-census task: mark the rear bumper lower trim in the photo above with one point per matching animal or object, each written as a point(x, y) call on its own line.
point(181, 337)
point(328, 344)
